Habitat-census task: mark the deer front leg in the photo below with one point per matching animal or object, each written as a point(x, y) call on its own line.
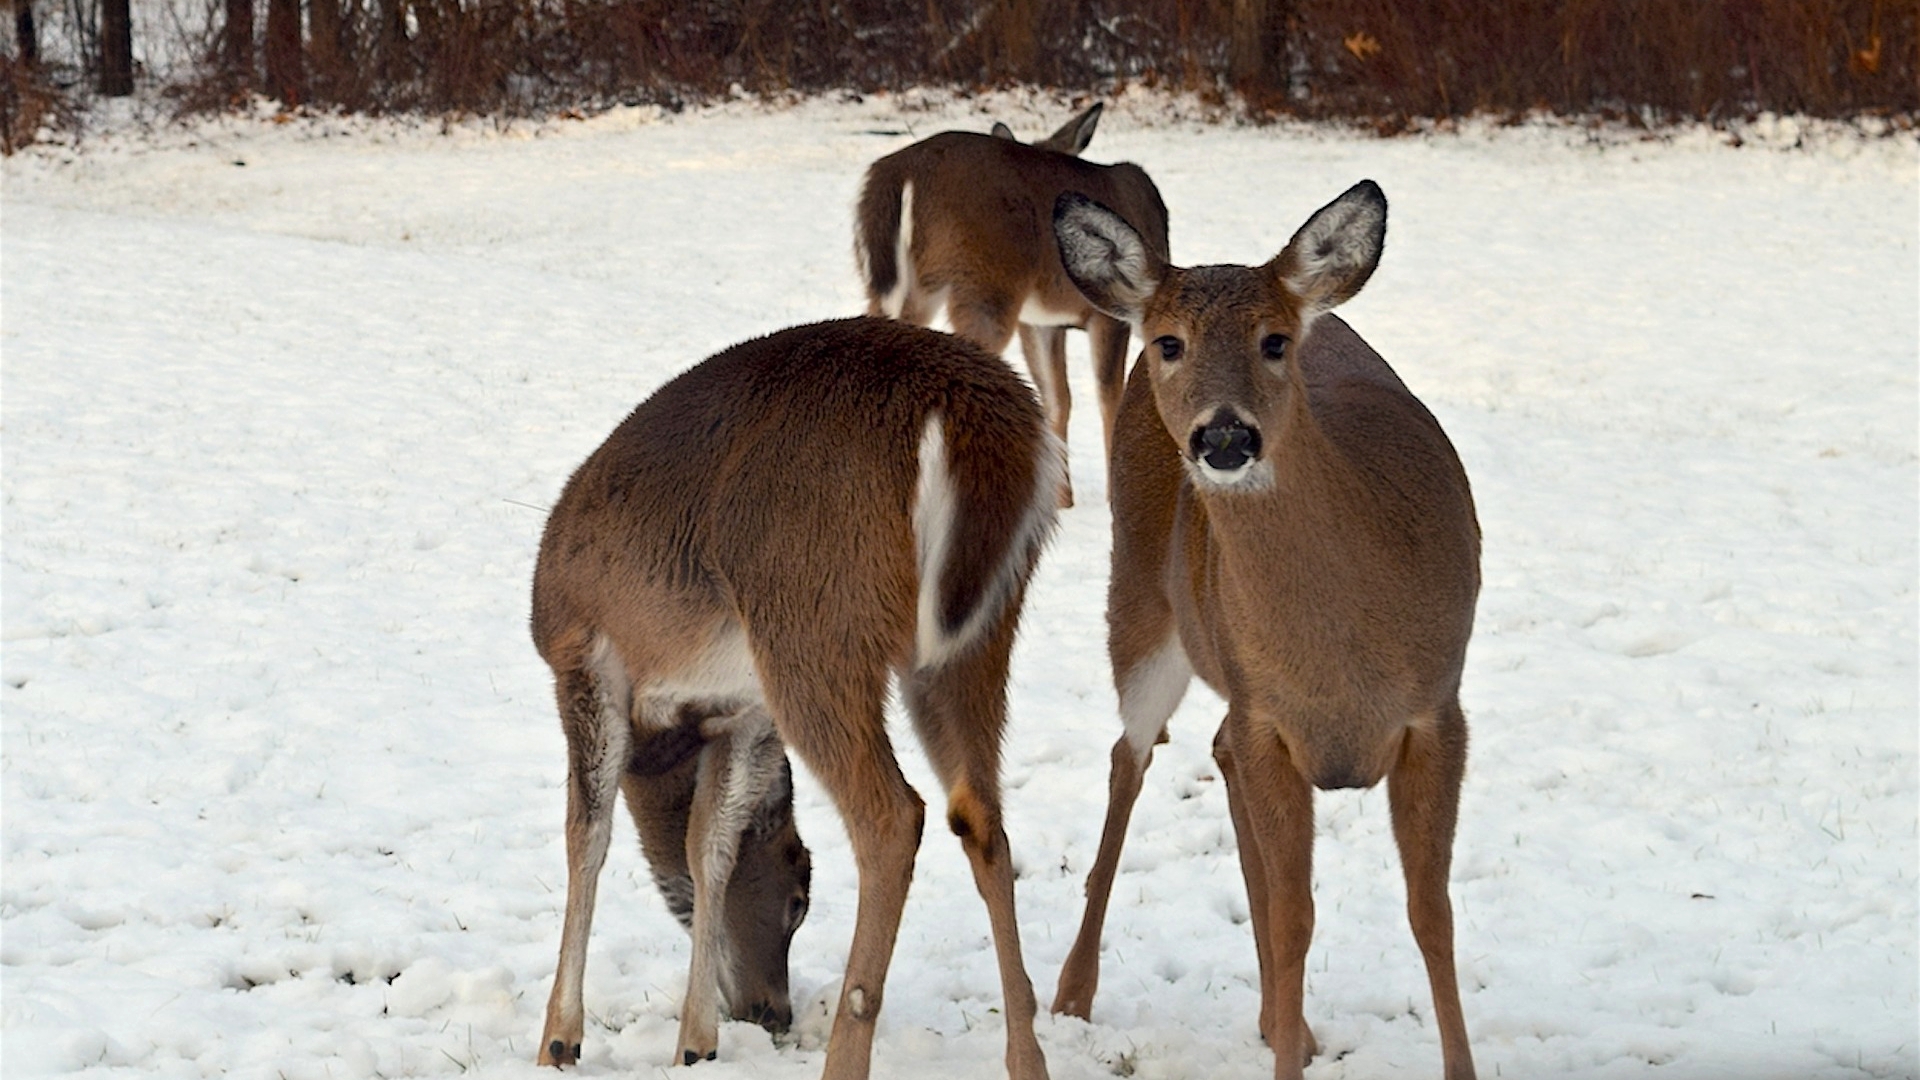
point(1277, 815)
point(1253, 870)
point(1151, 672)
point(1423, 790)
point(738, 763)
point(594, 715)
point(1080, 974)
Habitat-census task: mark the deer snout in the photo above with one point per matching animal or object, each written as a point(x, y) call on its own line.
point(1225, 443)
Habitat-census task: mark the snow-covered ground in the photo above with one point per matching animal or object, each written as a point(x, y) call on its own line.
point(284, 405)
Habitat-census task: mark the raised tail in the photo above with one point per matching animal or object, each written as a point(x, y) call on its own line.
point(883, 235)
point(985, 508)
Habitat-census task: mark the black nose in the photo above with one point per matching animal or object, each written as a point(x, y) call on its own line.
point(1225, 443)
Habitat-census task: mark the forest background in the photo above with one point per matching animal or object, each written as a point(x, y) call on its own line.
point(1394, 66)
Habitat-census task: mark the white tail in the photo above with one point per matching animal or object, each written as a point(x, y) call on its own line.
point(964, 221)
point(1292, 525)
point(766, 541)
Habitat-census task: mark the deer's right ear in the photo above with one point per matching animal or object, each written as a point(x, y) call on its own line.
point(1002, 131)
point(1105, 257)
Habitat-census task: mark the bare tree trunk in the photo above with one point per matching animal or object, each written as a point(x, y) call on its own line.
point(1255, 51)
point(325, 20)
point(391, 40)
point(1014, 44)
point(286, 61)
point(239, 45)
point(116, 48)
point(26, 37)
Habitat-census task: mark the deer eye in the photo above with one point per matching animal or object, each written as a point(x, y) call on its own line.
point(1274, 346)
point(1170, 347)
point(796, 911)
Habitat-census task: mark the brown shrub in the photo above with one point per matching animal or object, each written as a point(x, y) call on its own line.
point(30, 102)
point(1388, 62)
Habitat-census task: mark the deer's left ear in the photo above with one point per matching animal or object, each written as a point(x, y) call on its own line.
point(1334, 253)
point(1076, 133)
point(1107, 260)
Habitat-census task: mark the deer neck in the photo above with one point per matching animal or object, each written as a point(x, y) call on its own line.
point(1292, 544)
point(1311, 478)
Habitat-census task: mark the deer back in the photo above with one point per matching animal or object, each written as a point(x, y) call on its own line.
point(778, 482)
point(979, 211)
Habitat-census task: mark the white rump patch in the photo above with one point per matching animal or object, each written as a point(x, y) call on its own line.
point(723, 671)
point(1150, 692)
point(1035, 313)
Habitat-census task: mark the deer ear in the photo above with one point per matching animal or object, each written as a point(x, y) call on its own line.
point(1076, 133)
point(1002, 131)
point(1335, 252)
point(1107, 260)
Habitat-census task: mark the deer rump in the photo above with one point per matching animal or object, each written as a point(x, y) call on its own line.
point(746, 562)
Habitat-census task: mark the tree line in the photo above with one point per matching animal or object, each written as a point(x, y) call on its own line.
point(1384, 61)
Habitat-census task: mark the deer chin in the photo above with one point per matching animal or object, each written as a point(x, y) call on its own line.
point(1251, 478)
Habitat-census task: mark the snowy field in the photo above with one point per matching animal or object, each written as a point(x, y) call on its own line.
point(284, 405)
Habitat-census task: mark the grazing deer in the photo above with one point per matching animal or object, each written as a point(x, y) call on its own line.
point(767, 540)
point(1290, 524)
point(965, 221)
point(680, 773)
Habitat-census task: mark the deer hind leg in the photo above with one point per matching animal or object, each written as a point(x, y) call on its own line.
point(1272, 805)
point(1045, 348)
point(959, 710)
point(986, 318)
point(1151, 687)
point(593, 712)
point(1108, 338)
point(831, 712)
point(1423, 789)
point(737, 766)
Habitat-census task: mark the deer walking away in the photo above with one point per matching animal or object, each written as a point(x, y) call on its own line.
point(750, 559)
point(1291, 525)
point(964, 222)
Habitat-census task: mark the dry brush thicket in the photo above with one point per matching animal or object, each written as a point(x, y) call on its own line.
point(1379, 61)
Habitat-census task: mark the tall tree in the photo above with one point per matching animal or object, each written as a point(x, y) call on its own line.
point(286, 60)
point(26, 38)
point(390, 41)
point(1255, 49)
point(116, 48)
point(325, 41)
point(238, 45)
